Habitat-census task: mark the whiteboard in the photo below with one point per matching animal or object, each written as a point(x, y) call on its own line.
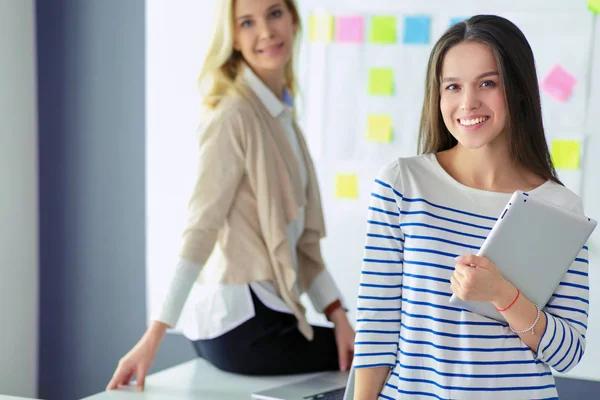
point(332, 110)
point(335, 105)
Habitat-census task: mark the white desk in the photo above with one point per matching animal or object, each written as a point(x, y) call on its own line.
point(3, 397)
point(198, 379)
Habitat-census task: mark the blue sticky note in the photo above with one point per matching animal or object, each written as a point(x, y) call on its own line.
point(456, 20)
point(417, 30)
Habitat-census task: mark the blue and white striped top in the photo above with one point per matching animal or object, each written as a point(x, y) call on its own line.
point(419, 220)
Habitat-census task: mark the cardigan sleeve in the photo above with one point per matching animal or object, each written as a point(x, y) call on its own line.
point(221, 166)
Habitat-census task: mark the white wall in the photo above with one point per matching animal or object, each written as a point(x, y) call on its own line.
point(589, 368)
point(177, 37)
point(18, 201)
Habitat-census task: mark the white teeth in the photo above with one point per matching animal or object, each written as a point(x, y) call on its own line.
point(272, 48)
point(475, 121)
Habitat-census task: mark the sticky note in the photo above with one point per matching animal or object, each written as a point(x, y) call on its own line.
point(346, 186)
point(566, 153)
point(321, 28)
point(417, 30)
point(379, 128)
point(383, 29)
point(558, 83)
point(381, 81)
point(349, 29)
point(594, 6)
point(456, 20)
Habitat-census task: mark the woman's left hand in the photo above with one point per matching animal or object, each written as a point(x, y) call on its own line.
point(480, 283)
point(344, 338)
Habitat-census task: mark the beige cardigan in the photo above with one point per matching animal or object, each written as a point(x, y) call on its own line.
point(248, 190)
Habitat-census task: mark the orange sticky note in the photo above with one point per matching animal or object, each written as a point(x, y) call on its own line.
point(566, 154)
point(346, 186)
point(321, 28)
point(379, 128)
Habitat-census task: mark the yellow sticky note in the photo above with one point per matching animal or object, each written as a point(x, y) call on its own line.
point(383, 29)
point(346, 186)
point(566, 153)
point(594, 6)
point(321, 28)
point(379, 128)
point(381, 81)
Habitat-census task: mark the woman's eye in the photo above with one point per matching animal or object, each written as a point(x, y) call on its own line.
point(452, 87)
point(488, 83)
point(246, 24)
point(276, 13)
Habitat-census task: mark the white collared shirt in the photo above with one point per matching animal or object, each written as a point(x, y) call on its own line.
point(215, 309)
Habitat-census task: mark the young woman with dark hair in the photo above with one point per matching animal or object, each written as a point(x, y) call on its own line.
point(481, 139)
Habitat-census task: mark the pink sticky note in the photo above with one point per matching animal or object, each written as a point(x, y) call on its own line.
point(349, 29)
point(559, 83)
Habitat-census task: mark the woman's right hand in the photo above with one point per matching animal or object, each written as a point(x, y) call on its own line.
point(139, 359)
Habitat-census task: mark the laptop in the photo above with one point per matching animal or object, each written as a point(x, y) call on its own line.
point(335, 385)
point(533, 244)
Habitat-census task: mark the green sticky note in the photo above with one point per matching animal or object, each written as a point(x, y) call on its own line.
point(379, 128)
point(383, 29)
point(381, 81)
point(594, 6)
point(346, 186)
point(321, 28)
point(566, 154)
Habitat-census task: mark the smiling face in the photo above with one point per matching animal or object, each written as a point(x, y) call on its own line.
point(264, 34)
point(472, 98)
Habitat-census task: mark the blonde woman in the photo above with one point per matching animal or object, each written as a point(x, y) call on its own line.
point(252, 244)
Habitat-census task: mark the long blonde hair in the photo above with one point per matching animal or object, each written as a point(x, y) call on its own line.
point(223, 63)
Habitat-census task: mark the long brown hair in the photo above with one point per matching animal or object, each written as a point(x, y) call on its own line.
point(516, 66)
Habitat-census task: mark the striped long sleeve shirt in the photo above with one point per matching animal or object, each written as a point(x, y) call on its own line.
point(419, 220)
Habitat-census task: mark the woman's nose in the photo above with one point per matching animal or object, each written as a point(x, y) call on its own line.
point(469, 100)
point(266, 32)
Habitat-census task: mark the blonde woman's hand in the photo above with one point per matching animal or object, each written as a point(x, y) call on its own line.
point(139, 359)
point(344, 338)
point(478, 279)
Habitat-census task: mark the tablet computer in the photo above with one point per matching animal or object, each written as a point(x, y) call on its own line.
point(533, 243)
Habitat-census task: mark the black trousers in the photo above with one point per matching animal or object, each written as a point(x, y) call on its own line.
point(271, 344)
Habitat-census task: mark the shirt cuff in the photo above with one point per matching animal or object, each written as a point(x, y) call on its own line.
point(183, 279)
point(554, 349)
point(323, 291)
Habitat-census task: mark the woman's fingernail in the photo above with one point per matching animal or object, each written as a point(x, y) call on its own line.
point(459, 258)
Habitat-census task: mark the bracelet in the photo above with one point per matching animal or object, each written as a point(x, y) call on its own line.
point(537, 318)
point(511, 304)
